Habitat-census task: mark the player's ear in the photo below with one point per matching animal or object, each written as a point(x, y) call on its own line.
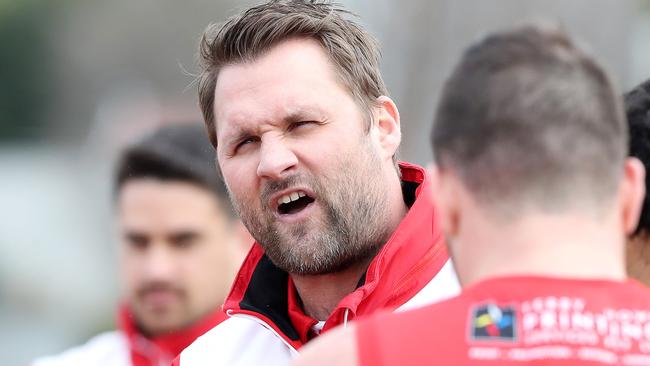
point(444, 188)
point(387, 124)
point(632, 193)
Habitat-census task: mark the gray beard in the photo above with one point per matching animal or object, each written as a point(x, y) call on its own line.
point(354, 226)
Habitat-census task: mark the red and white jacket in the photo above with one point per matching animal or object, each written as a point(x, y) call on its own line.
point(128, 347)
point(266, 325)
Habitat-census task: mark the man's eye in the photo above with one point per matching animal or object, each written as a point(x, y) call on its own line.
point(295, 125)
point(246, 141)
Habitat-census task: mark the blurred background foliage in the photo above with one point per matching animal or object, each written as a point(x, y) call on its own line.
point(25, 71)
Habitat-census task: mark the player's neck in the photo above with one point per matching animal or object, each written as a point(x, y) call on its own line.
point(566, 246)
point(321, 294)
point(638, 258)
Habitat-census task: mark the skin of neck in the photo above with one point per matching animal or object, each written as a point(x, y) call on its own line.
point(638, 258)
point(320, 294)
point(579, 237)
point(566, 245)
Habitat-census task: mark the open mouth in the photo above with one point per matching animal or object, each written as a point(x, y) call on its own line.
point(293, 203)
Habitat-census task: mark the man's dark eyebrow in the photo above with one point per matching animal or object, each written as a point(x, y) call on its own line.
point(184, 234)
point(132, 232)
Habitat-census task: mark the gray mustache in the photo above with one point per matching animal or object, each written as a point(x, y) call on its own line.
point(272, 187)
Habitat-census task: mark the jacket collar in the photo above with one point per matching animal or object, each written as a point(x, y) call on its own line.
point(407, 262)
point(154, 351)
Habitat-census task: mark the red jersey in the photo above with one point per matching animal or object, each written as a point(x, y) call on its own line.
point(518, 321)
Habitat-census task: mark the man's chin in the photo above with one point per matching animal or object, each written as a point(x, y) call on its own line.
point(156, 325)
point(306, 265)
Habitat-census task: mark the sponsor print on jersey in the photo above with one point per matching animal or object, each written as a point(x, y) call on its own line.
point(494, 323)
point(562, 328)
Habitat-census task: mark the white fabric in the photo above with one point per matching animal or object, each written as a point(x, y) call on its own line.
point(106, 349)
point(245, 340)
point(316, 328)
point(443, 286)
point(238, 341)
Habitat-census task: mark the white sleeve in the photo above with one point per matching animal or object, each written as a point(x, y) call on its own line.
point(238, 341)
point(106, 349)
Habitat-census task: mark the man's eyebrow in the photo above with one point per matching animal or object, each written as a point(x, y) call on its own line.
point(296, 115)
point(302, 114)
point(184, 234)
point(237, 136)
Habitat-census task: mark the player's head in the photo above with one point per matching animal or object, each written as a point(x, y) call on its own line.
point(179, 246)
point(295, 105)
point(352, 52)
point(637, 108)
point(528, 124)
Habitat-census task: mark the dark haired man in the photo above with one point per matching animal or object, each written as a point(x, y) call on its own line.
point(180, 245)
point(306, 139)
point(637, 108)
point(537, 195)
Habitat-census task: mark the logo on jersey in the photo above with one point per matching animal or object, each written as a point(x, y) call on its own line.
point(491, 322)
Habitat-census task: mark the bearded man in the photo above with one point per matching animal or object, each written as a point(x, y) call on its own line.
point(306, 138)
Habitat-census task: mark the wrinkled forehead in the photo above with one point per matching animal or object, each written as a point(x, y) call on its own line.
point(291, 77)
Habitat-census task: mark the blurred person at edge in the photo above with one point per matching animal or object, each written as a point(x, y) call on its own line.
point(637, 107)
point(536, 194)
point(180, 246)
point(306, 140)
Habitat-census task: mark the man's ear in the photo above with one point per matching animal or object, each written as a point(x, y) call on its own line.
point(388, 126)
point(445, 197)
point(633, 191)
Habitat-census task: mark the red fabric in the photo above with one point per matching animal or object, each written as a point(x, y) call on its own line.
point(301, 321)
point(414, 254)
point(517, 321)
point(162, 349)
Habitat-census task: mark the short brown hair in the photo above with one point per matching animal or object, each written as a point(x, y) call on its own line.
point(528, 120)
point(244, 37)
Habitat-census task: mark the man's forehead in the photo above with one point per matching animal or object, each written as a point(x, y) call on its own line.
point(273, 114)
point(286, 76)
point(167, 225)
point(291, 105)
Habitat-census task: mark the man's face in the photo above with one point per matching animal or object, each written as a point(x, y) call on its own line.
point(176, 252)
point(302, 171)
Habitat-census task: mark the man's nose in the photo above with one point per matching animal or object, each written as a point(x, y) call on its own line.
point(159, 263)
point(276, 158)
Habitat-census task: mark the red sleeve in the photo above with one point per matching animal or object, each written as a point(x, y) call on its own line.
point(177, 361)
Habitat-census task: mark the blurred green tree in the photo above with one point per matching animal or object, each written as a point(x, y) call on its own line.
point(25, 68)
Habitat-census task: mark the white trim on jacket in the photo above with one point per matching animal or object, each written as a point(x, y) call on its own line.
point(244, 340)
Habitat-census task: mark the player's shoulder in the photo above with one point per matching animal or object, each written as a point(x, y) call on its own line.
point(444, 309)
point(110, 349)
point(239, 341)
point(421, 323)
